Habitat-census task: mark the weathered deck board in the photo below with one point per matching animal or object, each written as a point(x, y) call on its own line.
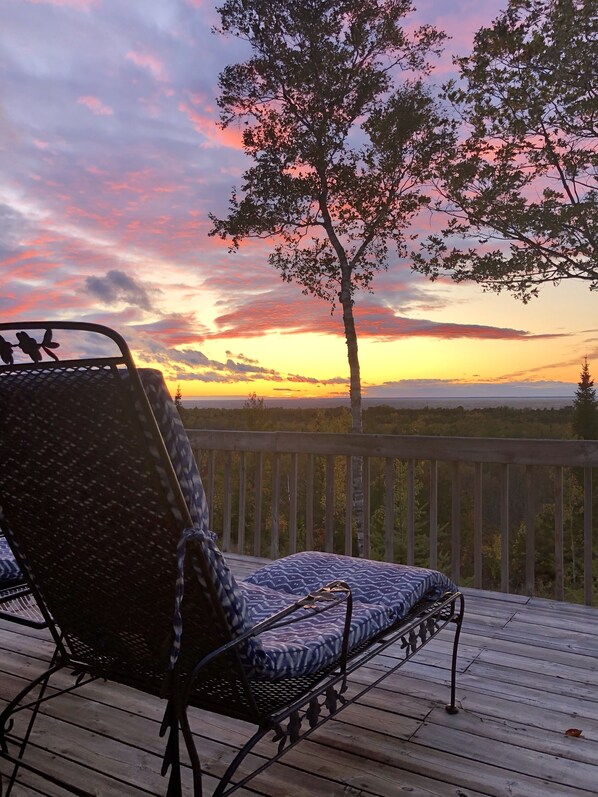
point(528, 672)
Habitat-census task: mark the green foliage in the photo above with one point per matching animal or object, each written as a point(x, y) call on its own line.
point(523, 181)
point(382, 419)
point(585, 406)
point(342, 155)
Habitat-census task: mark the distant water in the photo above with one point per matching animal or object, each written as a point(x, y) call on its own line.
point(467, 402)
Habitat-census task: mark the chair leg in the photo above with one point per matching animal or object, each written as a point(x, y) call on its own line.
point(452, 707)
point(5, 717)
point(192, 750)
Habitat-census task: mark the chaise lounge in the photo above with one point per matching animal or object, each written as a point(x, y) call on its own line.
point(102, 504)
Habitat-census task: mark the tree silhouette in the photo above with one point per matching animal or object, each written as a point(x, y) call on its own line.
point(343, 152)
point(178, 398)
point(522, 182)
point(585, 406)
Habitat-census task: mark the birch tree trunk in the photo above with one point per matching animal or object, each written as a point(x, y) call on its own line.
point(356, 407)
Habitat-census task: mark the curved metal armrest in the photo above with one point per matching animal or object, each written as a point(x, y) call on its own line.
point(331, 595)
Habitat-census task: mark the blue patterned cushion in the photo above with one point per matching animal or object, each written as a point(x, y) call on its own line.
point(181, 455)
point(10, 572)
point(397, 587)
point(311, 643)
point(382, 593)
point(177, 444)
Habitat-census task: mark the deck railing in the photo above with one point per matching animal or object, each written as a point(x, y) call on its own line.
point(504, 514)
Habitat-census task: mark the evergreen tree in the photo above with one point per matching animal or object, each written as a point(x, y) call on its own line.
point(178, 398)
point(585, 406)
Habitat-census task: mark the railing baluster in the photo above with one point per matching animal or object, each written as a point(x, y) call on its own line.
point(293, 503)
point(433, 514)
point(587, 536)
point(329, 531)
point(210, 488)
point(275, 508)
point(257, 523)
point(242, 502)
point(455, 523)
point(389, 509)
point(504, 528)
point(477, 526)
point(530, 532)
point(348, 506)
point(559, 563)
point(309, 503)
point(411, 512)
point(366, 508)
point(227, 502)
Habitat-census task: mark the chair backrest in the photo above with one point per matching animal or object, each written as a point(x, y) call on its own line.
point(94, 507)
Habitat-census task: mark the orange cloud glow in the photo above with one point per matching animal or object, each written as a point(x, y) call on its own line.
point(209, 129)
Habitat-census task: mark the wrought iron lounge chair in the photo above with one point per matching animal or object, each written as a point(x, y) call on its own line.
point(103, 505)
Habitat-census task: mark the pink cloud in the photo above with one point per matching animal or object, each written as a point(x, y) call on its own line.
point(209, 129)
point(175, 330)
point(95, 105)
point(301, 316)
point(81, 5)
point(149, 62)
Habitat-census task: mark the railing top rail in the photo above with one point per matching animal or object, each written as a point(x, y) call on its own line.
point(572, 453)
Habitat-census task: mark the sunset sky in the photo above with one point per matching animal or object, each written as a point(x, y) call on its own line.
point(111, 160)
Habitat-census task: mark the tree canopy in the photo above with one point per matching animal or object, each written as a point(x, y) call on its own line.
point(342, 150)
point(523, 182)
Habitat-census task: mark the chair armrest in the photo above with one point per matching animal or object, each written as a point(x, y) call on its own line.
point(330, 595)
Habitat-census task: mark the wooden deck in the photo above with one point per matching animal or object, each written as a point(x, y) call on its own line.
point(528, 672)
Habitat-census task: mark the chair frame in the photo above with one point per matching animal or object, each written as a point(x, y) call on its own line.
point(309, 701)
point(17, 605)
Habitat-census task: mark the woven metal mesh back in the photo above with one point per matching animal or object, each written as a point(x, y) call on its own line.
point(81, 496)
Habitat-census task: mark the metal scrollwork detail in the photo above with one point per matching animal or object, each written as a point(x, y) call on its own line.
point(316, 713)
point(29, 346)
point(417, 637)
